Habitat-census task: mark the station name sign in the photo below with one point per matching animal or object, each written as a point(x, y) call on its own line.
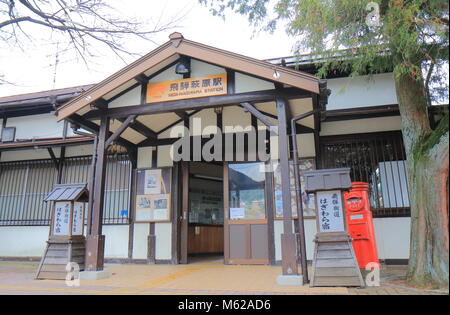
point(187, 88)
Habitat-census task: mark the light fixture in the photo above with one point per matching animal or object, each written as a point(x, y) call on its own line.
point(276, 74)
point(183, 66)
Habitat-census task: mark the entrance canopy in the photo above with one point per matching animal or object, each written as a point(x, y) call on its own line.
point(204, 91)
point(249, 84)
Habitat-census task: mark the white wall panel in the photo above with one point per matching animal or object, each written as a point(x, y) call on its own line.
point(163, 233)
point(36, 126)
point(361, 126)
point(130, 98)
point(144, 159)
point(362, 91)
point(23, 241)
point(116, 241)
point(140, 240)
point(245, 83)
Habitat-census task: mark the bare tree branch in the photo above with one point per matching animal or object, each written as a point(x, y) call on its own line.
point(82, 24)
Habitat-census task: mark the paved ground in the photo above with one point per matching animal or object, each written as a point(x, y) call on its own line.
point(196, 278)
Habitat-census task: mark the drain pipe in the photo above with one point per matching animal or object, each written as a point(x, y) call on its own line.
point(298, 192)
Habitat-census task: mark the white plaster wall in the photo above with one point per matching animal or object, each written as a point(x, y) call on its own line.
point(140, 240)
point(130, 98)
point(25, 155)
point(234, 116)
point(37, 154)
point(81, 150)
point(361, 126)
point(245, 83)
point(167, 75)
point(392, 237)
point(116, 241)
point(144, 158)
point(176, 131)
point(164, 157)
point(36, 126)
point(305, 145)
point(163, 233)
point(206, 118)
point(274, 148)
point(200, 69)
point(362, 91)
point(23, 241)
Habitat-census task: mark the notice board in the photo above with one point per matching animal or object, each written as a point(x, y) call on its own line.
point(153, 195)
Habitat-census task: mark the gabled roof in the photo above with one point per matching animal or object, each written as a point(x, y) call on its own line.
point(42, 97)
point(177, 45)
point(68, 192)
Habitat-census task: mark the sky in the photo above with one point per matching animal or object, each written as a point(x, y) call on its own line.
point(32, 68)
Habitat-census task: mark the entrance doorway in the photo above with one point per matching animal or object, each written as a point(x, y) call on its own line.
point(206, 213)
point(225, 213)
point(246, 228)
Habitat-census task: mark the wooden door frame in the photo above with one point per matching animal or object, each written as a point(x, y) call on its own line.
point(226, 207)
point(268, 221)
point(184, 215)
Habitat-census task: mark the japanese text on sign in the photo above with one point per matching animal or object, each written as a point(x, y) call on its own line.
point(61, 221)
point(77, 222)
point(330, 214)
point(187, 88)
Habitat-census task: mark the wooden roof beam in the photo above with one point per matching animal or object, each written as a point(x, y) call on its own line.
point(141, 128)
point(120, 130)
point(94, 128)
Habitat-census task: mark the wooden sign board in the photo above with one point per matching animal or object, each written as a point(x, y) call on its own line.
point(187, 88)
point(330, 215)
point(61, 219)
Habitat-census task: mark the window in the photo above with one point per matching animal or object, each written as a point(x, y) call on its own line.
point(376, 158)
point(24, 184)
point(247, 191)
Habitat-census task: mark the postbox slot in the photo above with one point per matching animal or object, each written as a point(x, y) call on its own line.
point(359, 232)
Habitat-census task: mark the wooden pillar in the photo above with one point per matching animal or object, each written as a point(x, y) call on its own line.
point(288, 239)
point(131, 204)
point(184, 212)
point(95, 241)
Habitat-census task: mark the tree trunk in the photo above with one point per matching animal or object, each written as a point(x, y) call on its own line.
point(427, 154)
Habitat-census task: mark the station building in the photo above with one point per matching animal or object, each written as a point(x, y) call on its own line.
point(120, 136)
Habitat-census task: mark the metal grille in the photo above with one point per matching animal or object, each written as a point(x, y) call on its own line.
point(24, 184)
point(378, 159)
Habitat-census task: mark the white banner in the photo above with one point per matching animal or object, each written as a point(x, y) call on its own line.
point(329, 211)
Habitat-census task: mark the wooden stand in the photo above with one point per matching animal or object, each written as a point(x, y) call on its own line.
point(66, 243)
point(58, 253)
point(335, 262)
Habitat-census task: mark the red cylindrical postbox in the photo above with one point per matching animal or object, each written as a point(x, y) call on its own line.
point(360, 224)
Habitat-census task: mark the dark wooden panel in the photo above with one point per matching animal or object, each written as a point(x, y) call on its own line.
point(238, 238)
point(259, 241)
point(208, 240)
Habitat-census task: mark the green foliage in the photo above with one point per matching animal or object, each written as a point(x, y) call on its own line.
point(358, 36)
